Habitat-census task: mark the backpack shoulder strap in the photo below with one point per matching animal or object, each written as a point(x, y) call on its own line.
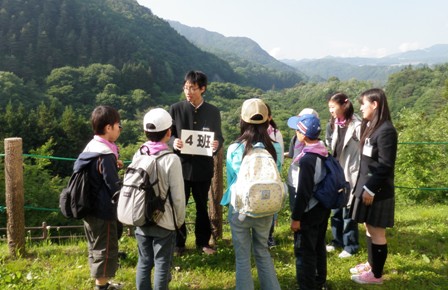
point(324, 167)
point(157, 172)
point(164, 154)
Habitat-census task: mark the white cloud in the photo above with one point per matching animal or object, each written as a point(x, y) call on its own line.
point(364, 52)
point(275, 52)
point(407, 46)
point(350, 49)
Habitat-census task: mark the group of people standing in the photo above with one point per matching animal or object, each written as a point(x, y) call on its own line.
point(180, 175)
point(366, 149)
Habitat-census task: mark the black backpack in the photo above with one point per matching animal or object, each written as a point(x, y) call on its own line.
point(333, 191)
point(75, 200)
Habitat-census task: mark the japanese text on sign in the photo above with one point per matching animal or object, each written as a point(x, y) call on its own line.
point(197, 142)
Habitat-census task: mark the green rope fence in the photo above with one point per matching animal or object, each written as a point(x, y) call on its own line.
point(3, 208)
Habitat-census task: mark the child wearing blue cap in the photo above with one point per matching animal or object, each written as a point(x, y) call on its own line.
point(309, 218)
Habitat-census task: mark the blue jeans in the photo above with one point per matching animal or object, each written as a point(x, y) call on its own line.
point(252, 234)
point(309, 249)
point(344, 230)
point(155, 251)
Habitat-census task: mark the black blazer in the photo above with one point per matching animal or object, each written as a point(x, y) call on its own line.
point(376, 172)
point(186, 116)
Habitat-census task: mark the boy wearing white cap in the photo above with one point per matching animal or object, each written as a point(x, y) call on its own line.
point(156, 242)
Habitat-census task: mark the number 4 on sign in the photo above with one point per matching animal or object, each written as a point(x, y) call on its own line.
point(197, 142)
point(203, 141)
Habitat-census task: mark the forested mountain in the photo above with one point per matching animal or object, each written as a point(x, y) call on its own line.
point(255, 66)
point(61, 58)
point(39, 35)
point(245, 55)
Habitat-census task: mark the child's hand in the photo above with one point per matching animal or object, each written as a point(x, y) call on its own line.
point(178, 144)
point(120, 164)
point(295, 225)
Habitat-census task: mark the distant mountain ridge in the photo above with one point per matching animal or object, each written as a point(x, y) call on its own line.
point(244, 55)
point(344, 68)
point(375, 69)
point(242, 47)
point(435, 54)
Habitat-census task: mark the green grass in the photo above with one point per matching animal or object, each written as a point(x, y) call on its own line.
point(418, 259)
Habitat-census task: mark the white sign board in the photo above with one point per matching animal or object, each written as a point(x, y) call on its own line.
point(197, 142)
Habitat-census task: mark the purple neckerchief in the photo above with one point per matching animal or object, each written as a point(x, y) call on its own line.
point(318, 148)
point(271, 130)
point(151, 147)
point(300, 146)
point(112, 146)
point(340, 123)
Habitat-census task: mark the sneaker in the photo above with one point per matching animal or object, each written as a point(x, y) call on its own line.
point(109, 286)
point(179, 251)
point(344, 254)
point(367, 278)
point(330, 248)
point(360, 268)
point(271, 243)
point(208, 250)
point(114, 286)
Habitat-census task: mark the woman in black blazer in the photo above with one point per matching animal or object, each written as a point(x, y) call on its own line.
point(374, 202)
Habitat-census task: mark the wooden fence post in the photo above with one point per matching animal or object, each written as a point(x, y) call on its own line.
point(215, 196)
point(44, 231)
point(14, 196)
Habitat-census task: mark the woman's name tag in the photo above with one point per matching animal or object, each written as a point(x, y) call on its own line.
point(367, 150)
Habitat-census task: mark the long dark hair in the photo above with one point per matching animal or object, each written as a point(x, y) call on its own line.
point(380, 115)
point(272, 122)
point(253, 133)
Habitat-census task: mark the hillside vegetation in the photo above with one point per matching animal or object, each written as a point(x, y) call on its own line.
point(52, 129)
point(37, 36)
point(254, 65)
point(417, 259)
point(60, 59)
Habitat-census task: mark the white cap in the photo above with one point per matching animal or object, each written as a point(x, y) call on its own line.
point(308, 111)
point(157, 120)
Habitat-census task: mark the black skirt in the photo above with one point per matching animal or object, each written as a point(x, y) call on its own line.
point(379, 214)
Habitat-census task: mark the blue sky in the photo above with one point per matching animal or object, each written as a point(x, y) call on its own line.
point(298, 29)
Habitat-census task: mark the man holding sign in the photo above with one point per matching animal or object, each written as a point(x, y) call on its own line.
point(196, 136)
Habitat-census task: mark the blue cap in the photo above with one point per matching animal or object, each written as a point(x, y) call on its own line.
point(308, 125)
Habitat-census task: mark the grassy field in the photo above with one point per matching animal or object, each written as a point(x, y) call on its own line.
point(418, 259)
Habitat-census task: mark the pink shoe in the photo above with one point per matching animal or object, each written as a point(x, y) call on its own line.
point(367, 278)
point(360, 268)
